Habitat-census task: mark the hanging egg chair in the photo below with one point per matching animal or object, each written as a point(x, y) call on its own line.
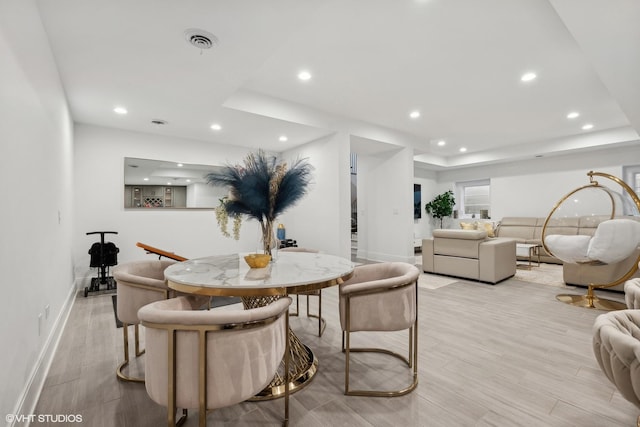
point(614, 216)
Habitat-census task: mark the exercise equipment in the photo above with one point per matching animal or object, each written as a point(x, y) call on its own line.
point(103, 255)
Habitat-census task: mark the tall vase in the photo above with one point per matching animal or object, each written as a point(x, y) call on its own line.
point(268, 238)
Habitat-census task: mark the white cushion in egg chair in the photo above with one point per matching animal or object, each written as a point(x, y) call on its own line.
point(613, 241)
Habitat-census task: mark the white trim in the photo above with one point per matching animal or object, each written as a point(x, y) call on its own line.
point(382, 257)
point(31, 393)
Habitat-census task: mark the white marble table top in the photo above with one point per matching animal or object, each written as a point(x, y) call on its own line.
point(230, 274)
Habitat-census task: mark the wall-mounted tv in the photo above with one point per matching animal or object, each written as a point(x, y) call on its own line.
point(417, 201)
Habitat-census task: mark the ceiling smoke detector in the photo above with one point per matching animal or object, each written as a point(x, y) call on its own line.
point(200, 38)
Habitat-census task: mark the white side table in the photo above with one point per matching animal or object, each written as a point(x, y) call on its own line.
point(528, 250)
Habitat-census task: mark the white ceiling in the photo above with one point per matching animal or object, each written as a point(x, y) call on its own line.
point(373, 61)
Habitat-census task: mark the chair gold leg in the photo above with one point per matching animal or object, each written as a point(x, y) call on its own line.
point(183, 418)
point(202, 373)
point(322, 324)
point(287, 379)
point(376, 393)
point(411, 360)
point(137, 342)
point(297, 312)
point(171, 378)
point(346, 363)
point(125, 336)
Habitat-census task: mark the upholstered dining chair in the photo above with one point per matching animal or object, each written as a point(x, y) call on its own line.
point(322, 324)
point(632, 293)
point(209, 359)
point(381, 297)
point(616, 345)
point(138, 283)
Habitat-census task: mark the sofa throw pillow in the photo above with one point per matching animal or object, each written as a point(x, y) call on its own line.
point(468, 225)
point(488, 227)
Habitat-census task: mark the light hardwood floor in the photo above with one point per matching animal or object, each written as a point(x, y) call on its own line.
point(503, 355)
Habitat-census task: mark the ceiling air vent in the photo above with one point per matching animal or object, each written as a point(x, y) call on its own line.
point(200, 38)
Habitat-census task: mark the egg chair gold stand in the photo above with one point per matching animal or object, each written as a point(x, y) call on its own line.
point(590, 300)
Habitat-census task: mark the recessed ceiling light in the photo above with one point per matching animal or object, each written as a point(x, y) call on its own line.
point(216, 126)
point(120, 110)
point(573, 115)
point(442, 143)
point(283, 138)
point(146, 179)
point(587, 126)
point(168, 183)
point(304, 75)
point(188, 180)
point(180, 165)
point(414, 114)
point(463, 149)
point(527, 77)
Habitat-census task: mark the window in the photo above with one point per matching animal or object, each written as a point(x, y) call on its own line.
point(473, 199)
point(632, 178)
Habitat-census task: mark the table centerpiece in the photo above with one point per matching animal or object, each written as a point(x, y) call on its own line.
point(261, 188)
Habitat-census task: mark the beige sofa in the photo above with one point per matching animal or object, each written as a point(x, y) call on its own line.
point(469, 254)
point(529, 230)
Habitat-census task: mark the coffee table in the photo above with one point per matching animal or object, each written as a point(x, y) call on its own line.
point(528, 250)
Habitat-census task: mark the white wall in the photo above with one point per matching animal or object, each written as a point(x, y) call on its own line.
point(201, 195)
point(322, 220)
point(385, 206)
point(533, 187)
point(37, 218)
point(99, 189)
point(423, 226)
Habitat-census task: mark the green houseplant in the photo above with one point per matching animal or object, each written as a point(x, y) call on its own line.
point(441, 206)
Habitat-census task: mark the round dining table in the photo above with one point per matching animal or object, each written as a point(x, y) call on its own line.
point(287, 273)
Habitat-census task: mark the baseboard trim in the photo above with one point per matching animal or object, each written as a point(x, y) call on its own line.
point(29, 397)
point(382, 257)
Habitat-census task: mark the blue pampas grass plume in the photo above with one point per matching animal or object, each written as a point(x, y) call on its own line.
point(293, 187)
point(250, 186)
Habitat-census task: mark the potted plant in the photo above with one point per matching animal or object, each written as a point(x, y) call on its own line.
point(441, 206)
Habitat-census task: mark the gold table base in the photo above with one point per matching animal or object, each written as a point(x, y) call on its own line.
point(302, 362)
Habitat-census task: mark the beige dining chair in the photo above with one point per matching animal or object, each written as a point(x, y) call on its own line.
point(209, 359)
point(138, 283)
point(381, 297)
point(632, 293)
point(322, 324)
point(616, 345)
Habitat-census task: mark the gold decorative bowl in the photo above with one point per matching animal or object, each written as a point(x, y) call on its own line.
point(257, 260)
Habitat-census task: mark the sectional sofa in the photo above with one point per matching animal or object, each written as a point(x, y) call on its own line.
point(529, 230)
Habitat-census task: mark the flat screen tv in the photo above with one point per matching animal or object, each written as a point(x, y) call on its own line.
point(417, 212)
